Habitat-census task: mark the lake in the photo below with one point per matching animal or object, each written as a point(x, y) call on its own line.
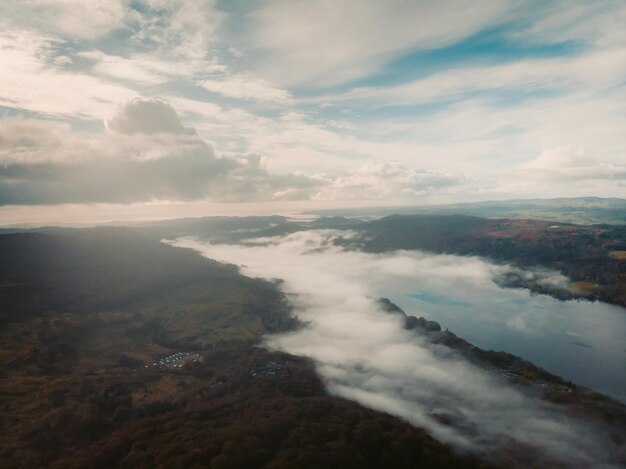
point(580, 341)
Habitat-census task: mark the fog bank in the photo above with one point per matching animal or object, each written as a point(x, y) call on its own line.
point(365, 354)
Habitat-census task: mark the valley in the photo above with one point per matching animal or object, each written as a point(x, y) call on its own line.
point(121, 334)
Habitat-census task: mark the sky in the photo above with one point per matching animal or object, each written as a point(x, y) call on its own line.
point(144, 109)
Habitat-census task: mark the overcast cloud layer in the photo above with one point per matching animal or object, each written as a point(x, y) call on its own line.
point(344, 101)
point(365, 354)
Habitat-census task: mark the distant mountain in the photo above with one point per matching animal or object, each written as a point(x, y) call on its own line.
point(237, 229)
point(579, 210)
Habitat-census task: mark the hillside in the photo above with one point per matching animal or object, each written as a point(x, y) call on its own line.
point(578, 210)
point(588, 255)
point(118, 350)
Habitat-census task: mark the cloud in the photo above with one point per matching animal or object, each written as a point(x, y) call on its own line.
point(324, 42)
point(385, 180)
point(598, 23)
point(51, 166)
point(147, 68)
point(79, 19)
point(145, 155)
point(366, 355)
point(136, 69)
point(594, 70)
point(559, 158)
point(262, 65)
point(21, 140)
point(42, 62)
point(32, 81)
point(567, 165)
point(240, 86)
point(146, 116)
point(251, 180)
point(180, 29)
point(487, 138)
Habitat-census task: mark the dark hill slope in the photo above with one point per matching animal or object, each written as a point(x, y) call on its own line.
point(85, 271)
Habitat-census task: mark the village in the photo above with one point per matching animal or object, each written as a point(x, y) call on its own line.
point(176, 360)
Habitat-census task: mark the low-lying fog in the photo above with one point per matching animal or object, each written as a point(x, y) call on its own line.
point(364, 354)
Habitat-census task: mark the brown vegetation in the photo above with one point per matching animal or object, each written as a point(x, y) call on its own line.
point(85, 318)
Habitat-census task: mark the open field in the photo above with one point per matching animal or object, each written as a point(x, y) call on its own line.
point(620, 255)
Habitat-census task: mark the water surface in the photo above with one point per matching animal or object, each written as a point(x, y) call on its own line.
point(581, 341)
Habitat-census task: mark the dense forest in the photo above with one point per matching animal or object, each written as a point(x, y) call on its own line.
point(227, 411)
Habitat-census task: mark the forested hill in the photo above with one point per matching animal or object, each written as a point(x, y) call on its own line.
point(121, 351)
point(594, 256)
point(579, 210)
point(91, 270)
point(176, 296)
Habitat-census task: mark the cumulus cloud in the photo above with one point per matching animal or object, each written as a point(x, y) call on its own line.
point(559, 158)
point(56, 166)
point(251, 180)
point(570, 163)
point(146, 154)
point(365, 354)
point(146, 116)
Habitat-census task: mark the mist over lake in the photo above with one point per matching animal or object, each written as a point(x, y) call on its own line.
point(365, 355)
point(582, 341)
